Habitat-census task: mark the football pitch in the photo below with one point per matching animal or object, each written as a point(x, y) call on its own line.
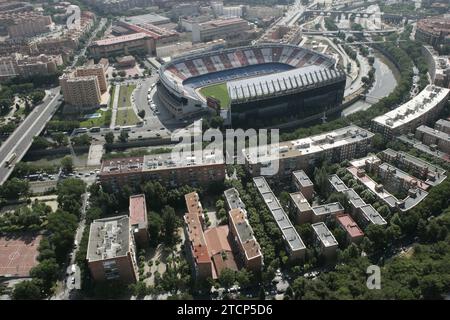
point(219, 92)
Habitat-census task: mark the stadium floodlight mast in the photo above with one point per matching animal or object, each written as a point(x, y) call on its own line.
point(189, 149)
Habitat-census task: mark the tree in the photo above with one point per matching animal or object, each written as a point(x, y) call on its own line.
point(123, 137)
point(170, 224)
point(109, 137)
point(14, 189)
point(60, 138)
point(243, 278)
point(27, 290)
point(227, 278)
point(155, 223)
point(67, 164)
point(47, 272)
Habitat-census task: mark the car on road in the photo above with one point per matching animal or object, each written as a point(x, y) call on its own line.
point(158, 135)
point(117, 128)
point(72, 280)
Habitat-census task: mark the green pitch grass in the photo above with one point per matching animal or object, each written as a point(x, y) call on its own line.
point(218, 91)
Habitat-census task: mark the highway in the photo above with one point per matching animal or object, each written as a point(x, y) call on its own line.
point(21, 139)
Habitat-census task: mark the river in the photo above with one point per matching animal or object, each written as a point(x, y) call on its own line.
point(386, 79)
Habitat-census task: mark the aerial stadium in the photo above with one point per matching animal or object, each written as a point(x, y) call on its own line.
point(260, 83)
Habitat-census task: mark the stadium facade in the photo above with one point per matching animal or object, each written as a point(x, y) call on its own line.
point(263, 83)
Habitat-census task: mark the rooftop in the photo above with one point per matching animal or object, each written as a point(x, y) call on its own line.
point(337, 183)
point(309, 145)
point(108, 238)
point(300, 201)
point(289, 233)
point(324, 234)
point(372, 215)
point(437, 172)
point(138, 211)
point(303, 178)
point(281, 82)
point(121, 39)
point(426, 100)
point(159, 162)
point(195, 229)
point(219, 23)
point(233, 199)
point(329, 208)
point(436, 133)
point(245, 233)
point(354, 198)
point(349, 225)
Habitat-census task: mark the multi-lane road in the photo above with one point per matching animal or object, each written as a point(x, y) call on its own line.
point(22, 138)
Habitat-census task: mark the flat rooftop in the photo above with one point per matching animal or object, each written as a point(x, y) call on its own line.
point(138, 211)
point(354, 198)
point(121, 39)
point(108, 238)
point(233, 199)
point(329, 208)
point(310, 145)
point(372, 215)
point(289, 233)
point(245, 233)
point(438, 173)
point(349, 225)
point(156, 162)
point(402, 175)
point(146, 18)
point(337, 183)
point(324, 234)
point(300, 201)
point(218, 23)
point(443, 123)
point(436, 133)
point(303, 178)
point(425, 101)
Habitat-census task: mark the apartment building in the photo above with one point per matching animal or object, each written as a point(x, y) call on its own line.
point(438, 66)
point(27, 66)
point(435, 139)
point(96, 70)
point(233, 200)
point(111, 252)
point(248, 247)
point(123, 45)
point(300, 208)
point(443, 125)
point(422, 109)
point(294, 244)
point(138, 220)
point(363, 213)
point(25, 24)
point(302, 154)
point(323, 212)
point(160, 35)
point(431, 174)
point(303, 184)
point(325, 240)
point(351, 228)
point(80, 92)
point(116, 173)
point(220, 29)
point(196, 246)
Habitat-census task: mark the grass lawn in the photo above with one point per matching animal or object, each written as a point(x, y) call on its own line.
point(218, 91)
point(125, 95)
point(104, 120)
point(126, 117)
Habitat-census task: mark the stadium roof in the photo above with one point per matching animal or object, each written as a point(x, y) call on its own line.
point(251, 88)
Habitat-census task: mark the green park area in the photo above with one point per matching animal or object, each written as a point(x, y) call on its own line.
point(125, 113)
point(103, 117)
point(219, 92)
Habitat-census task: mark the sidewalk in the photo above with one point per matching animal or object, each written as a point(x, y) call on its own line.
point(114, 106)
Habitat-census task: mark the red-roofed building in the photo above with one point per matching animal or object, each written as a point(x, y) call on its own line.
point(123, 45)
point(346, 223)
point(196, 245)
point(138, 219)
